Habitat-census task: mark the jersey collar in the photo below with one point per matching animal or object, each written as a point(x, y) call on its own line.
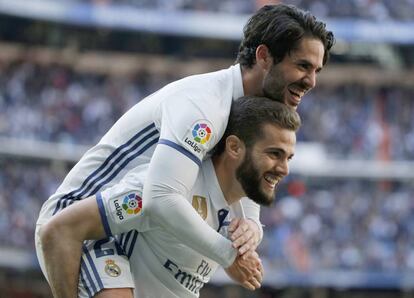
point(237, 82)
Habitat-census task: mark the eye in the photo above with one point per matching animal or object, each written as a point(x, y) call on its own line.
point(276, 154)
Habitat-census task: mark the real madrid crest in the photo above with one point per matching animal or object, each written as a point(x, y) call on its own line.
point(112, 269)
point(200, 205)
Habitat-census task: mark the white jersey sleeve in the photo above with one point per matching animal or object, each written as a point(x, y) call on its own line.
point(193, 124)
point(167, 189)
point(120, 207)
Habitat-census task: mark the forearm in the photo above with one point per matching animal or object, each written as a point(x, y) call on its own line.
point(62, 239)
point(164, 199)
point(62, 260)
point(191, 230)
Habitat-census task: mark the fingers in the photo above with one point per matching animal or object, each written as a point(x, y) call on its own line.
point(239, 230)
point(233, 225)
point(244, 242)
point(248, 285)
point(243, 238)
point(257, 284)
point(248, 273)
point(251, 264)
point(258, 276)
point(245, 235)
point(253, 283)
point(260, 268)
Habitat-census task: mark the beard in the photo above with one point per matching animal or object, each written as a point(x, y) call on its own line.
point(273, 86)
point(248, 176)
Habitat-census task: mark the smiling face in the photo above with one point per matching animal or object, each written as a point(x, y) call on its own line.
point(288, 80)
point(266, 163)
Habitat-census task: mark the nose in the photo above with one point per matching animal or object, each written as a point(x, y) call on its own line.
point(310, 80)
point(282, 167)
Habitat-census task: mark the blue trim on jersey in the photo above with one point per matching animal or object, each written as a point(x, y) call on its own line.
point(131, 247)
point(120, 238)
point(124, 243)
point(88, 277)
point(115, 165)
point(109, 164)
point(122, 166)
point(181, 149)
point(92, 264)
point(85, 286)
point(102, 212)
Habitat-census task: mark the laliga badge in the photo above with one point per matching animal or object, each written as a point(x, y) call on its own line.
point(112, 269)
point(197, 138)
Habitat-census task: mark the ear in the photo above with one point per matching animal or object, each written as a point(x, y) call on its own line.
point(263, 57)
point(234, 147)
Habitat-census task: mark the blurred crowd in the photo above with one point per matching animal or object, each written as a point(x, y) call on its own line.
point(57, 104)
point(341, 224)
point(23, 189)
point(360, 122)
point(374, 10)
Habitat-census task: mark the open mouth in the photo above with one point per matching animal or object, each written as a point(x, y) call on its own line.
point(272, 180)
point(296, 95)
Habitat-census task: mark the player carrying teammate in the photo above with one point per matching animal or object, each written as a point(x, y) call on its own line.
point(251, 159)
point(282, 51)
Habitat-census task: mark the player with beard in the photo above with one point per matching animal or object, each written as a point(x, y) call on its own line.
point(173, 130)
point(251, 159)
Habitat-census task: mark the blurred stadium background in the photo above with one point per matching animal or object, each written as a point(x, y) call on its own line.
point(344, 222)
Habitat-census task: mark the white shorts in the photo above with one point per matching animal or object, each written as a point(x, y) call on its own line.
point(104, 263)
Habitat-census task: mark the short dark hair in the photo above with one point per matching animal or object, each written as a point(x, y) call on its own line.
point(281, 27)
point(249, 114)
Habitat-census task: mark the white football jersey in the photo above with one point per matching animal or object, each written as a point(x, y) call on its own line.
point(161, 265)
point(187, 118)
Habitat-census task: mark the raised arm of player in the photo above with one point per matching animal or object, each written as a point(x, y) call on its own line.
point(164, 198)
point(164, 195)
point(190, 128)
point(62, 238)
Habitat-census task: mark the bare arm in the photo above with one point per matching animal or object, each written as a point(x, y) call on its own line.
point(62, 238)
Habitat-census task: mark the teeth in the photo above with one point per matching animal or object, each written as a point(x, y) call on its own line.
point(271, 179)
point(298, 94)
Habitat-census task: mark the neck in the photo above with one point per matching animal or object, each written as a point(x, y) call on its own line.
point(252, 78)
point(229, 185)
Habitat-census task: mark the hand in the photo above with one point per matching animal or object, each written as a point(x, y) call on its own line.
point(245, 235)
point(248, 272)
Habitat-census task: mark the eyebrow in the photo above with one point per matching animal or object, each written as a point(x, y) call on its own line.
point(273, 149)
point(307, 62)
